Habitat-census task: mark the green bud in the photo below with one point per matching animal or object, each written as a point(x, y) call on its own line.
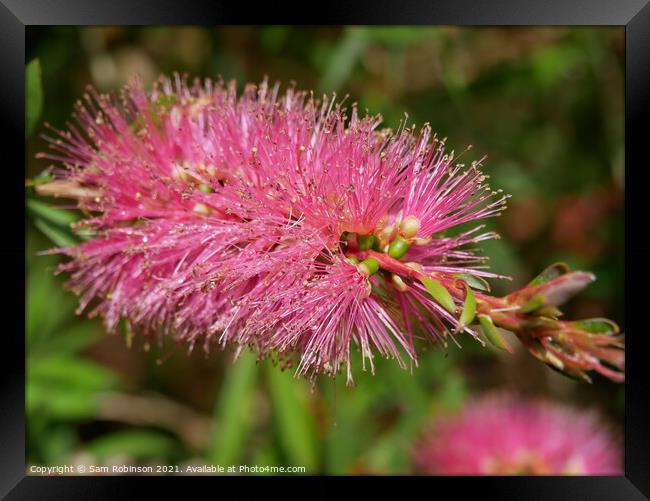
point(205, 188)
point(369, 266)
point(365, 241)
point(398, 247)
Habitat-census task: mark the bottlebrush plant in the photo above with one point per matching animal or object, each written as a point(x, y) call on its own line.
point(278, 222)
point(541, 438)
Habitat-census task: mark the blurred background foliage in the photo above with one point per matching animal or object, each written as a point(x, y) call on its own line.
point(545, 105)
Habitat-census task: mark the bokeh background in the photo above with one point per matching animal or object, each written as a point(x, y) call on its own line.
point(545, 105)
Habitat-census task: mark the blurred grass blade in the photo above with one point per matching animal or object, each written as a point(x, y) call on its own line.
point(54, 215)
point(293, 418)
point(346, 55)
point(234, 411)
point(33, 95)
point(59, 236)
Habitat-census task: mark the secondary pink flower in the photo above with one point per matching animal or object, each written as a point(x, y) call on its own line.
point(504, 435)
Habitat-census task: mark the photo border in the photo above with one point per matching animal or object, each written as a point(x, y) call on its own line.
point(633, 15)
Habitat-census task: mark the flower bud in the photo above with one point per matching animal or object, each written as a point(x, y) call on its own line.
point(368, 266)
point(409, 227)
point(365, 241)
point(398, 247)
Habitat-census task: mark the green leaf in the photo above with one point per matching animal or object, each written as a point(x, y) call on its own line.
point(70, 372)
point(478, 283)
point(33, 95)
point(553, 271)
point(344, 59)
point(294, 419)
point(492, 334)
point(62, 403)
point(48, 305)
point(43, 178)
point(469, 308)
point(50, 214)
point(60, 237)
point(68, 341)
point(133, 444)
point(439, 293)
point(234, 411)
point(597, 326)
point(58, 443)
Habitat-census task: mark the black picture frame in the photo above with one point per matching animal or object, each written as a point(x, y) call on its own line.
point(634, 15)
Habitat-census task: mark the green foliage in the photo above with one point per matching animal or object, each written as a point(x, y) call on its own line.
point(492, 333)
point(33, 95)
point(62, 385)
point(53, 222)
point(439, 293)
point(235, 411)
point(293, 417)
point(469, 308)
point(133, 444)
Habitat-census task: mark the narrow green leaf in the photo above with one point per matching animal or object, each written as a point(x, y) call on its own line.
point(492, 333)
point(553, 271)
point(44, 177)
point(439, 293)
point(33, 95)
point(293, 418)
point(344, 58)
point(60, 217)
point(533, 303)
point(478, 283)
point(60, 237)
point(469, 308)
point(234, 411)
point(597, 326)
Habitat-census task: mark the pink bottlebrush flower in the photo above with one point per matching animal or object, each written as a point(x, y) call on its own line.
point(270, 221)
point(505, 435)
